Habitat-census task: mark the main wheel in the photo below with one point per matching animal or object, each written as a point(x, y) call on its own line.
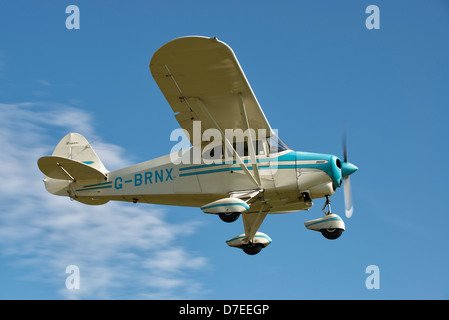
point(252, 248)
point(331, 234)
point(229, 216)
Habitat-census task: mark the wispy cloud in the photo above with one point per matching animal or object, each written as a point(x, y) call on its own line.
point(117, 247)
point(44, 82)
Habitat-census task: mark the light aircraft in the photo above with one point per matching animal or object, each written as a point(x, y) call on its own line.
point(249, 174)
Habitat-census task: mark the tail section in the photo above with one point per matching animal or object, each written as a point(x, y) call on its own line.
point(73, 160)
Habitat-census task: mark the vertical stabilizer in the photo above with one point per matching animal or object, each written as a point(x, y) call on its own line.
point(74, 146)
point(73, 160)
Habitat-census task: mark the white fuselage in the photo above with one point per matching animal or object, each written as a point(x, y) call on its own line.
point(284, 177)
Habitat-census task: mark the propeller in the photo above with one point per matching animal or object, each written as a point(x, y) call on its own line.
point(347, 169)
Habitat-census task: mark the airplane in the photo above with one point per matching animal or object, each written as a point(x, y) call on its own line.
point(234, 163)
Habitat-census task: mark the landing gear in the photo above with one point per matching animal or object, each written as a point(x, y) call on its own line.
point(331, 226)
point(331, 233)
point(258, 242)
point(252, 248)
point(229, 216)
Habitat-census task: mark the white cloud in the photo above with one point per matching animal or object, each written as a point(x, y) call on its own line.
point(117, 247)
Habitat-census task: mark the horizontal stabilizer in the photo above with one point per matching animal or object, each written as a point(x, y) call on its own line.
point(67, 169)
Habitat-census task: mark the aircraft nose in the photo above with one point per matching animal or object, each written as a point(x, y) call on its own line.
point(348, 168)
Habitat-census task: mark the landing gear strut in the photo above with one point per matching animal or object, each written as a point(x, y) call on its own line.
point(327, 204)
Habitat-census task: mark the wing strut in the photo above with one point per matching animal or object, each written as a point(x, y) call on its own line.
point(252, 152)
point(253, 221)
point(66, 172)
point(177, 87)
point(228, 144)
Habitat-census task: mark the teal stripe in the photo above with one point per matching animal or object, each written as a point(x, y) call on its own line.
point(94, 188)
point(286, 157)
point(331, 219)
point(97, 184)
point(227, 204)
point(207, 171)
point(236, 169)
point(208, 165)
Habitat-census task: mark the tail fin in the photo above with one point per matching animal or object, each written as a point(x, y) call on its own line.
point(73, 160)
point(75, 147)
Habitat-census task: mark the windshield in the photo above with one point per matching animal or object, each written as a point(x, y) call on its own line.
point(276, 144)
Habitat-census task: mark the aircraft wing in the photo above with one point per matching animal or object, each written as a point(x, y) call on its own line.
point(202, 80)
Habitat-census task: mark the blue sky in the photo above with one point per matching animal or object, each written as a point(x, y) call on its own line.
point(315, 69)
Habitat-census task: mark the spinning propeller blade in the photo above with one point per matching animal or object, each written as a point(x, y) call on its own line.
point(347, 169)
point(349, 208)
point(345, 147)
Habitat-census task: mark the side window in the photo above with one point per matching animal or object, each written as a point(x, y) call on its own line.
point(214, 153)
point(241, 148)
point(259, 147)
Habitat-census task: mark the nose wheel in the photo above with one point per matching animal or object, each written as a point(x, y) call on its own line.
point(331, 225)
point(331, 233)
point(229, 216)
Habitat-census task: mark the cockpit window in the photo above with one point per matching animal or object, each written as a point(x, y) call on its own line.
point(242, 148)
point(276, 145)
point(216, 152)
